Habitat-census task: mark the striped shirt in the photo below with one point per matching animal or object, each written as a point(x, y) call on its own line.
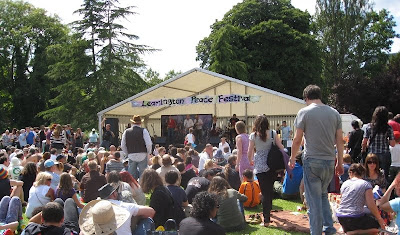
point(353, 198)
point(114, 165)
point(60, 140)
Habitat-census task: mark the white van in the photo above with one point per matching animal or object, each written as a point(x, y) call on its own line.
point(346, 123)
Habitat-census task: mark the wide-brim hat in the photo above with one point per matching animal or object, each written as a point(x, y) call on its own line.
point(171, 157)
point(101, 217)
point(107, 190)
point(136, 119)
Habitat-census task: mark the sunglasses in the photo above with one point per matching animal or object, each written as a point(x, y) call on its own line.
point(48, 179)
point(371, 162)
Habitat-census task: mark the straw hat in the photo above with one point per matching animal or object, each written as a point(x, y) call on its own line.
point(136, 119)
point(101, 217)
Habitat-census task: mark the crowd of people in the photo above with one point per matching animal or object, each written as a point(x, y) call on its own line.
point(66, 184)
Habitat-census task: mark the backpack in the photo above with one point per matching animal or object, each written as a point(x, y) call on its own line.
point(252, 191)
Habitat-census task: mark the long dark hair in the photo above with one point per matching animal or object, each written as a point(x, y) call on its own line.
point(219, 186)
point(65, 183)
point(149, 180)
point(261, 125)
point(371, 157)
point(379, 122)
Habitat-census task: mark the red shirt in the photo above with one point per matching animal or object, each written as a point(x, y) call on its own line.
point(171, 123)
point(395, 125)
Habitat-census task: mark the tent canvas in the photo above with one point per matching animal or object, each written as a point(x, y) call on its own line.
point(277, 106)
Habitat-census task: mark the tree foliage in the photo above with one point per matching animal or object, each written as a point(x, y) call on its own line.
point(25, 34)
point(355, 42)
point(267, 43)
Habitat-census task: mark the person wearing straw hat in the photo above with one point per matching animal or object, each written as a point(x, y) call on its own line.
point(136, 144)
point(136, 214)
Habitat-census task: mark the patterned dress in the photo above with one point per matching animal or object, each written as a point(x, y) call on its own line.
point(244, 161)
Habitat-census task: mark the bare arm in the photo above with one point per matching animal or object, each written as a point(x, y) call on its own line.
point(383, 203)
point(239, 152)
point(36, 218)
point(77, 202)
point(369, 199)
point(16, 183)
point(250, 151)
point(146, 212)
point(364, 145)
point(278, 142)
point(298, 137)
point(340, 149)
point(50, 194)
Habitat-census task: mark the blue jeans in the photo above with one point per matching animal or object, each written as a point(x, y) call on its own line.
point(10, 209)
point(171, 135)
point(134, 166)
point(317, 176)
point(144, 226)
point(385, 160)
point(106, 144)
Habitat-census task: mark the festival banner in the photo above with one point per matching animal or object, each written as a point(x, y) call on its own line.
point(197, 99)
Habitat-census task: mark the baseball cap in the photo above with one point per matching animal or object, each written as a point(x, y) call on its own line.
point(59, 157)
point(49, 163)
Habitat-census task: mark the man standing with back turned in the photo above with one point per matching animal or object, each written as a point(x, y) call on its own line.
point(136, 144)
point(321, 127)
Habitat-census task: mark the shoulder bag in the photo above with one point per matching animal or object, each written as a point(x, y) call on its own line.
point(275, 160)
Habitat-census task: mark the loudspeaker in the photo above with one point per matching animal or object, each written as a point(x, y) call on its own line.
point(114, 128)
point(160, 140)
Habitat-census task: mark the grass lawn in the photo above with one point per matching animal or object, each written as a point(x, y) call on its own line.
point(277, 204)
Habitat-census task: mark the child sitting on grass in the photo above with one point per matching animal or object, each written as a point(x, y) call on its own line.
point(251, 189)
point(346, 166)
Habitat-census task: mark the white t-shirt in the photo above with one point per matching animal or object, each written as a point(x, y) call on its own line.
point(133, 209)
point(188, 123)
point(190, 138)
point(203, 158)
point(222, 146)
point(198, 124)
point(395, 152)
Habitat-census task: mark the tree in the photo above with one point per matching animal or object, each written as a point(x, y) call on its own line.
point(115, 59)
point(25, 33)
point(355, 41)
point(267, 43)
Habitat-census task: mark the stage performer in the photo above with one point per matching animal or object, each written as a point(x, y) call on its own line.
point(232, 130)
point(136, 144)
point(188, 123)
point(198, 130)
point(171, 128)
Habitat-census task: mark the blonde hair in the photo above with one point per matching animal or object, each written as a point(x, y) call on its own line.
point(347, 158)
point(42, 178)
point(58, 130)
point(208, 164)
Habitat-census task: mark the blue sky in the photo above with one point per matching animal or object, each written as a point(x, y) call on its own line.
point(176, 26)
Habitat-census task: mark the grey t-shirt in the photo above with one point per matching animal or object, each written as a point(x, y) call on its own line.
point(319, 123)
point(353, 198)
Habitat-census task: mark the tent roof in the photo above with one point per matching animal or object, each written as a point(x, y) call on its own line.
point(193, 82)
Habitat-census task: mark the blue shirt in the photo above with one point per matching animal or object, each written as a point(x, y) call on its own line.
point(345, 175)
point(286, 132)
point(395, 204)
point(30, 137)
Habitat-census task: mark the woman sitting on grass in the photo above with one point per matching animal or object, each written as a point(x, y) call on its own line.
point(229, 216)
point(40, 193)
point(66, 190)
point(356, 193)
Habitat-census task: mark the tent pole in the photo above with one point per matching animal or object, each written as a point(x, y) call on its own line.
point(245, 110)
point(100, 129)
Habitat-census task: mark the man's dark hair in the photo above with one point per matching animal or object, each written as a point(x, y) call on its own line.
point(8, 149)
point(355, 124)
point(113, 177)
point(117, 155)
point(180, 166)
point(52, 212)
point(19, 155)
point(32, 150)
point(53, 151)
point(171, 177)
point(208, 173)
point(248, 174)
point(203, 204)
point(3, 159)
point(312, 92)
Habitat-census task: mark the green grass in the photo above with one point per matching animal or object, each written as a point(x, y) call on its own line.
point(277, 204)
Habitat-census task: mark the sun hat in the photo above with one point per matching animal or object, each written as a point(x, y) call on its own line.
point(218, 154)
point(15, 162)
point(3, 173)
point(165, 157)
point(93, 129)
point(101, 217)
point(136, 119)
point(106, 190)
point(49, 163)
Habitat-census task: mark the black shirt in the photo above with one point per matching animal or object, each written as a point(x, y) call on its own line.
point(185, 177)
point(34, 228)
point(196, 185)
point(161, 202)
point(5, 188)
point(107, 135)
point(195, 226)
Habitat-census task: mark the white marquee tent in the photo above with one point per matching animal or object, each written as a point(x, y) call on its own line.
point(277, 106)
